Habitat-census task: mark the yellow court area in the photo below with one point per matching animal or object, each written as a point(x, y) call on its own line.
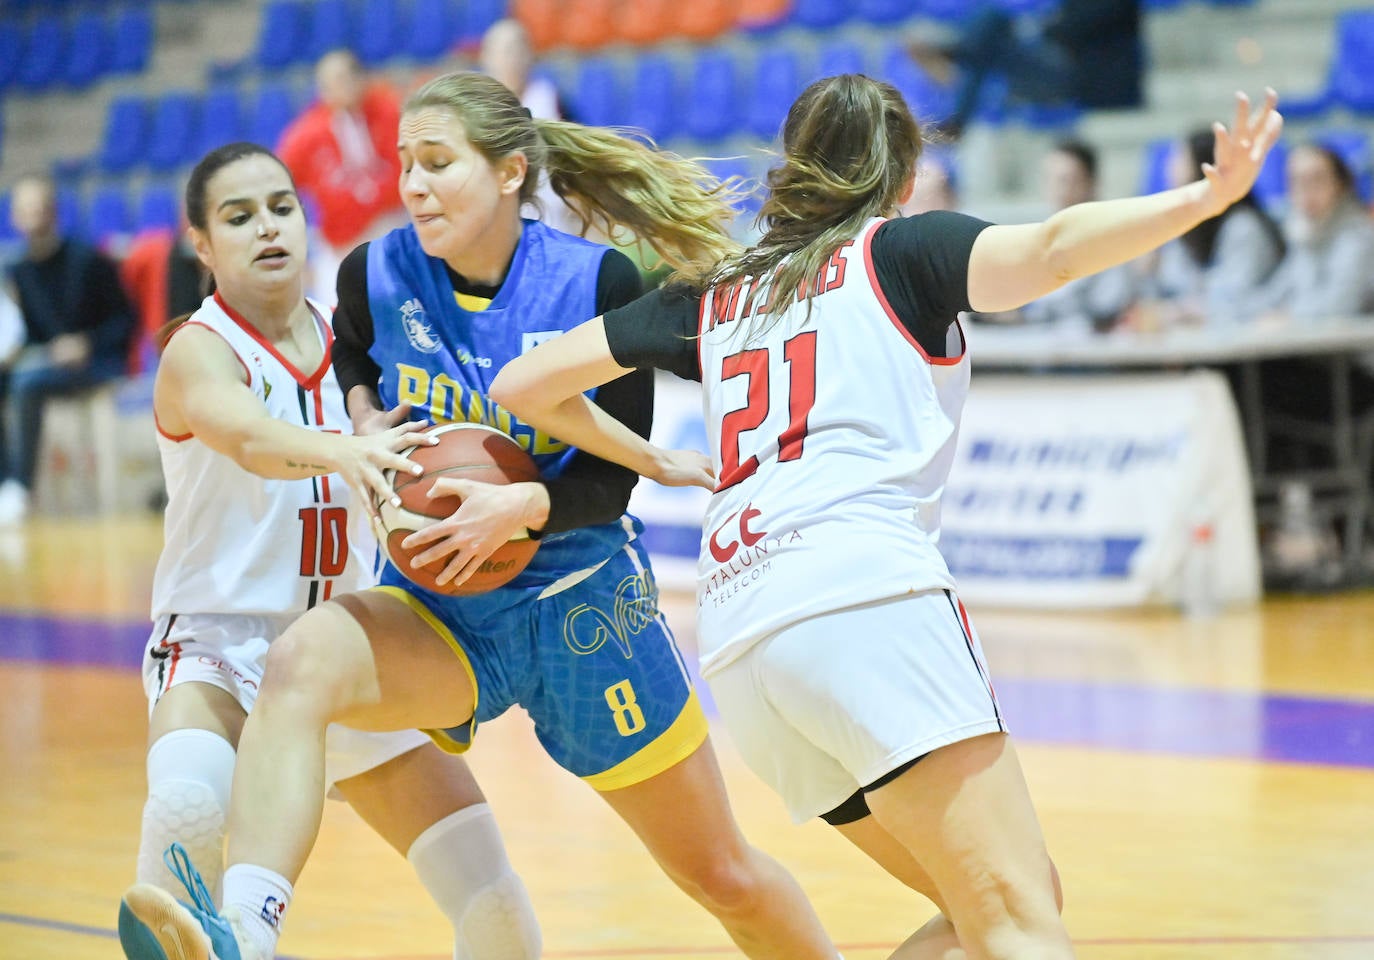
point(1207, 788)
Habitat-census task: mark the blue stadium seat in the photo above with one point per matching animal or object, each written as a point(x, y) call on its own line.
point(432, 29)
point(69, 213)
point(1271, 186)
point(174, 131)
point(45, 51)
point(329, 26)
point(158, 208)
point(777, 81)
point(654, 97)
point(882, 11)
point(1351, 80)
point(132, 46)
point(90, 50)
point(379, 32)
point(107, 216)
point(8, 235)
point(126, 135)
point(598, 98)
point(950, 11)
point(1354, 147)
point(221, 120)
point(272, 109)
point(839, 57)
point(820, 14)
point(927, 99)
point(1154, 171)
point(11, 46)
point(478, 15)
point(281, 34)
point(712, 109)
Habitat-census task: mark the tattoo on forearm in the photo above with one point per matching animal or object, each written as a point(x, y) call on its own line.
point(307, 466)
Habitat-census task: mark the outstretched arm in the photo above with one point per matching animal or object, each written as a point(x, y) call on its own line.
point(545, 387)
point(1013, 265)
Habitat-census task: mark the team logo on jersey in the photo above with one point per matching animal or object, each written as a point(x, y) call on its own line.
point(586, 629)
point(534, 338)
point(417, 327)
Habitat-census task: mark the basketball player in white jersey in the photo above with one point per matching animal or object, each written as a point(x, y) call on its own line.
point(263, 476)
point(834, 373)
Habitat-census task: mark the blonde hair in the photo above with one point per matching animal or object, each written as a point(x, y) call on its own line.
point(612, 182)
point(849, 147)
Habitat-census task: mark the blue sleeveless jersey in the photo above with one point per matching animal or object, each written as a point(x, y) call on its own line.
point(441, 358)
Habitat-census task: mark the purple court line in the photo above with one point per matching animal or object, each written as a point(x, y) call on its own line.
point(1186, 721)
point(83, 930)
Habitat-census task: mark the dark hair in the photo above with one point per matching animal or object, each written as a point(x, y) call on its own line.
point(609, 180)
point(849, 147)
point(1201, 241)
point(1345, 177)
point(1085, 154)
point(211, 164)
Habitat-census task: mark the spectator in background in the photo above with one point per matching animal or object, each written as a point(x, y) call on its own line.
point(342, 154)
point(1330, 237)
point(77, 328)
point(1218, 271)
point(936, 186)
point(507, 55)
point(165, 279)
point(1069, 176)
point(1086, 52)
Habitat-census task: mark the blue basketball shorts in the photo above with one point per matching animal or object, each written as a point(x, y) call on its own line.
point(593, 663)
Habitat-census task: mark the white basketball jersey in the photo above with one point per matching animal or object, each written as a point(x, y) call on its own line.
point(234, 542)
point(832, 437)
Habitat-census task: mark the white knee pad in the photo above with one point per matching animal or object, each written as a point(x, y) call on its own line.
point(189, 775)
point(462, 862)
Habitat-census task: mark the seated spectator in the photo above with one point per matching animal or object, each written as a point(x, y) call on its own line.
point(165, 279)
point(1326, 271)
point(1218, 271)
point(507, 55)
point(342, 154)
point(936, 187)
point(1069, 176)
point(1087, 52)
point(77, 328)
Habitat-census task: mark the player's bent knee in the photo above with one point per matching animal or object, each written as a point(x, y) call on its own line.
point(301, 669)
point(500, 922)
point(725, 886)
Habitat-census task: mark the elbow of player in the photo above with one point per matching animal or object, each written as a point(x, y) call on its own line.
point(514, 391)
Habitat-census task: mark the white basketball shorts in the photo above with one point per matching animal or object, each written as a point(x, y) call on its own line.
point(229, 651)
point(829, 705)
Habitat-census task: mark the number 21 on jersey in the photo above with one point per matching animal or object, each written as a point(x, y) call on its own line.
point(794, 391)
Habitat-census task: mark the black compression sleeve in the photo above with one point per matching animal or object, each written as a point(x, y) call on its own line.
point(922, 267)
point(353, 335)
point(591, 490)
point(657, 330)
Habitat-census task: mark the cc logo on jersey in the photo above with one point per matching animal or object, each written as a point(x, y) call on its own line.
point(747, 537)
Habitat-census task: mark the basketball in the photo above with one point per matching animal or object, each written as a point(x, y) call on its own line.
point(467, 451)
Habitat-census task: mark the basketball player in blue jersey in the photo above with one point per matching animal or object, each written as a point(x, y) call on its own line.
point(427, 315)
point(255, 445)
point(834, 372)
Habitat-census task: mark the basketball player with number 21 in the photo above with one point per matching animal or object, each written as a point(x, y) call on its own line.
point(833, 372)
point(256, 448)
point(427, 315)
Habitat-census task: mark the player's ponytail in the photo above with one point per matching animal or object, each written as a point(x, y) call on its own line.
point(850, 146)
point(613, 182)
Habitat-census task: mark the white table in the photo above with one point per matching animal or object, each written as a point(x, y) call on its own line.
point(1244, 346)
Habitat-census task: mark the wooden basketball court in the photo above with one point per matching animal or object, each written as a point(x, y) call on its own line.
point(1207, 788)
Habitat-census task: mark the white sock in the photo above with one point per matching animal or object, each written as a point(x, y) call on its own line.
point(462, 862)
point(260, 897)
point(189, 774)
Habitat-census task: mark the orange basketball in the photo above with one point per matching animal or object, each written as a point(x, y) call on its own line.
point(469, 451)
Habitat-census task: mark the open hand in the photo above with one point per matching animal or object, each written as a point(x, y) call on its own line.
point(684, 468)
point(1240, 151)
point(363, 461)
point(490, 515)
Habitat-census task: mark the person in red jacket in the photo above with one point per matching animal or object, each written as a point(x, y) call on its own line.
point(342, 154)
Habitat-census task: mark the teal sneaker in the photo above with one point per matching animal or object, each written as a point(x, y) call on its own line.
point(154, 925)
